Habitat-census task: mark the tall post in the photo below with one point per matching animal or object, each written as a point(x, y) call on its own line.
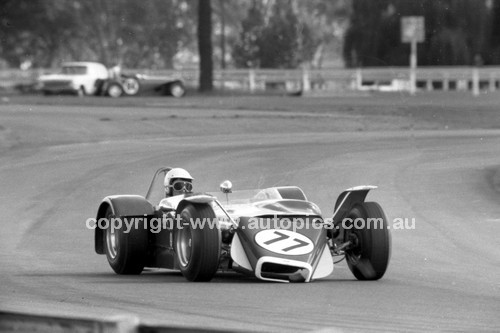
point(306, 83)
point(475, 81)
point(413, 67)
point(251, 80)
point(478, 61)
point(413, 32)
point(359, 78)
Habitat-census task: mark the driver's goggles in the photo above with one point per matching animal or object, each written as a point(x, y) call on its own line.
point(179, 185)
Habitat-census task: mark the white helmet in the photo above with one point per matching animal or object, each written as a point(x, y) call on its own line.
point(174, 174)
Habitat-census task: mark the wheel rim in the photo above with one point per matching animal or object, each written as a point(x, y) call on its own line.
point(176, 90)
point(131, 86)
point(114, 91)
point(184, 246)
point(354, 253)
point(112, 242)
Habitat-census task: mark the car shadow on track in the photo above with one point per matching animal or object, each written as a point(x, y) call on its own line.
point(153, 276)
point(147, 276)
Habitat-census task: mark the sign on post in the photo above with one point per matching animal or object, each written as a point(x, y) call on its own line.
point(413, 31)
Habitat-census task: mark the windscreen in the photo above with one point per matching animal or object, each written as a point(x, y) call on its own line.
point(74, 70)
point(247, 196)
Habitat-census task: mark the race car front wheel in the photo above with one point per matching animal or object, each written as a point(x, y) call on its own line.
point(125, 250)
point(367, 230)
point(176, 89)
point(197, 243)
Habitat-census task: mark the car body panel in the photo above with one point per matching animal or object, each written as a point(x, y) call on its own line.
point(271, 240)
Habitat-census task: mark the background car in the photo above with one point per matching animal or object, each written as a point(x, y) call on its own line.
point(92, 78)
point(80, 78)
point(134, 84)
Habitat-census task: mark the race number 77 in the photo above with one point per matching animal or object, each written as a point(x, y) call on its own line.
point(282, 237)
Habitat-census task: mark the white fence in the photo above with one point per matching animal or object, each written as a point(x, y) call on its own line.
point(386, 78)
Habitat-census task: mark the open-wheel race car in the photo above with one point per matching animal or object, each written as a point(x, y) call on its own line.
point(274, 234)
point(135, 84)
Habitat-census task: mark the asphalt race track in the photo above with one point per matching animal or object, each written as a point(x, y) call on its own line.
point(57, 162)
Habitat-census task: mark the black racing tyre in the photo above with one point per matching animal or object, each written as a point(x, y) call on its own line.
point(369, 257)
point(126, 252)
point(176, 89)
point(114, 89)
point(197, 249)
point(130, 85)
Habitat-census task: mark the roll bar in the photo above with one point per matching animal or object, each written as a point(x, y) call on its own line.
point(163, 170)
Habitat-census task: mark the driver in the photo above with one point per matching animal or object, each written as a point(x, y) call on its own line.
point(178, 182)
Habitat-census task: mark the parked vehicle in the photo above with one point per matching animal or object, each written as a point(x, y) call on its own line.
point(80, 78)
point(134, 84)
point(91, 78)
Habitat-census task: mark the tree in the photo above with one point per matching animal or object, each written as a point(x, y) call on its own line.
point(323, 32)
point(133, 34)
point(276, 40)
point(228, 16)
point(136, 34)
point(279, 42)
point(205, 45)
point(33, 31)
point(246, 50)
point(494, 54)
point(456, 32)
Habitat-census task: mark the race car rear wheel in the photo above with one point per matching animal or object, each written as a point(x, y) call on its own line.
point(369, 255)
point(197, 247)
point(176, 89)
point(125, 250)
